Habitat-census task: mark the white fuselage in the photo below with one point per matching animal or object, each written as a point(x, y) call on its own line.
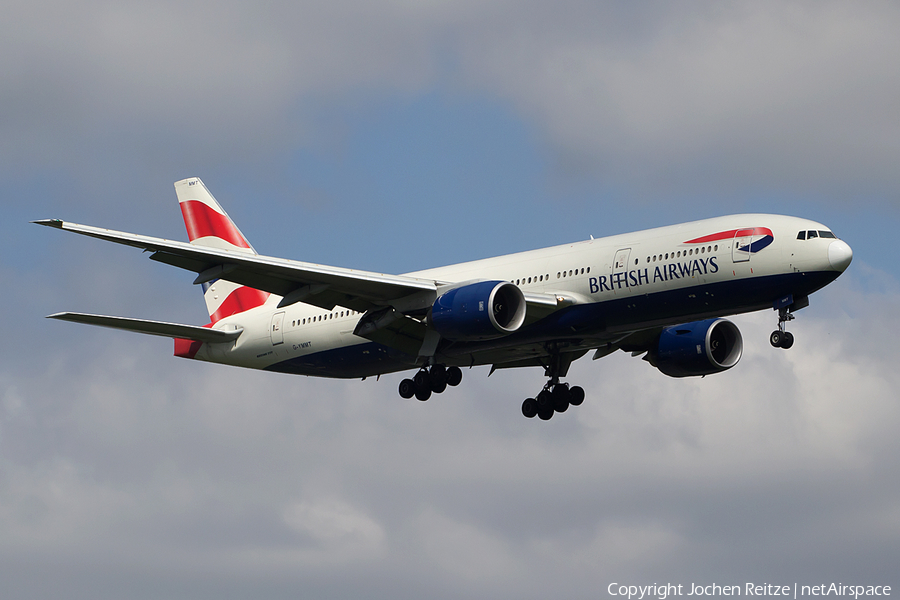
point(626, 282)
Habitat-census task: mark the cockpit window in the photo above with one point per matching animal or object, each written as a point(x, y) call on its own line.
point(811, 234)
point(826, 234)
point(801, 235)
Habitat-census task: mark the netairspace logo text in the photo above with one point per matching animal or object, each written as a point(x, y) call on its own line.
point(663, 591)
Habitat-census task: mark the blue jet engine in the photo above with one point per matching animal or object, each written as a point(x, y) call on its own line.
point(698, 348)
point(479, 311)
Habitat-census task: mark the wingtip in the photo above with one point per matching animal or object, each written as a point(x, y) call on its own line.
point(58, 223)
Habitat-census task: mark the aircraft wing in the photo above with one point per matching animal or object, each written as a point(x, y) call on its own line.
point(295, 281)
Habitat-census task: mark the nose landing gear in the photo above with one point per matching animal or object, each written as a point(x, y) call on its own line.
point(781, 338)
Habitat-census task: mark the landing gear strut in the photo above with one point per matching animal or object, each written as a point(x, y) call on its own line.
point(431, 380)
point(781, 338)
point(556, 396)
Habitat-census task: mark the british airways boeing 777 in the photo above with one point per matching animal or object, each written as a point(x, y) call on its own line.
point(660, 293)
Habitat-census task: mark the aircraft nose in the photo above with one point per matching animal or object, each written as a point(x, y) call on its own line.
point(839, 255)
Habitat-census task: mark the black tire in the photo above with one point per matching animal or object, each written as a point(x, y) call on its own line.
point(437, 378)
point(454, 376)
point(545, 414)
point(407, 388)
point(423, 394)
point(530, 408)
point(422, 380)
point(560, 398)
point(545, 401)
point(788, 340)
point(776, 338)
point(576, 395)
point(438, 373)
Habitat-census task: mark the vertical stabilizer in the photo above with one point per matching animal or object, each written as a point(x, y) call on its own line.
point(208, 225)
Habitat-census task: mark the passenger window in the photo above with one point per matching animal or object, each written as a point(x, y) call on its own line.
point(811, 234)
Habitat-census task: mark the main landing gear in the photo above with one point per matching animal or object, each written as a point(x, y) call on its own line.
point(555, 397)
point(431, 380)
point(781, 338)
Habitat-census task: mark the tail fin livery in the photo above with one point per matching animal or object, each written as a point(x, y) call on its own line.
point(208, 225)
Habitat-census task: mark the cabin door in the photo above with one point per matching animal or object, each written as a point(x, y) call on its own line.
point(277, 330)
point(740, 251)
point(619, 275)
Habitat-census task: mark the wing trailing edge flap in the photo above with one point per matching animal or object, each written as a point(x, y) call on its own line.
point(636, 342)
point(160, 328)
point(393, 329)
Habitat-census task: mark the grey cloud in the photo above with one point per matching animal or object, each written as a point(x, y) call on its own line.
point(748, 98)
point(123, 463)
point(700, 100)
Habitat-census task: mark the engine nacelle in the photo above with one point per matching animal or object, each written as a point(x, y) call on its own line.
point(479, 311)
point(699, 348)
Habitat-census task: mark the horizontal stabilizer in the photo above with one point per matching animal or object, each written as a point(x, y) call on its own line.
point(171, 330)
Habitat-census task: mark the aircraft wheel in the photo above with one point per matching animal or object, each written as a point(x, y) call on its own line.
point(776, 338)
point(454, 376)
point(545, 401)
point(423, 394)
point(422, 380)
point(530, 408)
point(437, 379)
point(560, 398)
point(407, 388)
point(545, 414)
point(438, 374)
point(576, 395)
point(788, 340)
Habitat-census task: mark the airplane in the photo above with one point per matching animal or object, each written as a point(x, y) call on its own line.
point(660, 293)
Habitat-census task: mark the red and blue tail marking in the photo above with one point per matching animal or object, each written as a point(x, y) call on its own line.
point(208, 225)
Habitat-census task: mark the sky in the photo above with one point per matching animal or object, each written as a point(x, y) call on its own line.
point(394, 136)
